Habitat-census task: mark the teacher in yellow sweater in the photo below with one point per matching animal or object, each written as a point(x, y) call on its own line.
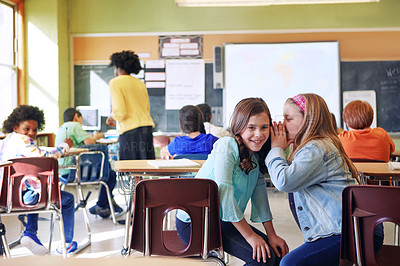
point(130, 108)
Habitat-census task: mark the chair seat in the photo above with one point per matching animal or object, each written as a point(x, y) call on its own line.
point(173, 241)
point(388, 255)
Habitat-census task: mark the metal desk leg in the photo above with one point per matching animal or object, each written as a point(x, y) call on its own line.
point(128, 218)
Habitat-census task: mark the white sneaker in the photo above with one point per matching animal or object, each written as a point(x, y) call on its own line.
point(35, 248)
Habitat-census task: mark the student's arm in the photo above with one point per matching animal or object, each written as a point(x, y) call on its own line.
point(31, 150)
point(164, 153)
point(93, 139)
point(275, 241)
point(260, 247)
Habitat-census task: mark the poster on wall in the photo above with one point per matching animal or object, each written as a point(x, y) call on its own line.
point(180, 46)
point(365, 95)
point(185, 82)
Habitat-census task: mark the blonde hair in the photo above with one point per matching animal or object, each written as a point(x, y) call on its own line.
point(317, 125)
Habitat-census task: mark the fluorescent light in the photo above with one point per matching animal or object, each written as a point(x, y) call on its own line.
point(188, 3)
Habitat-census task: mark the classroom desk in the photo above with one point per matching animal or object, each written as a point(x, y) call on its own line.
point(380, 172)
point(53, 260)
point(138, 169)
point(5, 164)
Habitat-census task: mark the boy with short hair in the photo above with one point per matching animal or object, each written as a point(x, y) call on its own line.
point(72, 128)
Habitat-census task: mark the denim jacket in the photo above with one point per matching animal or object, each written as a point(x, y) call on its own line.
point(316, 177)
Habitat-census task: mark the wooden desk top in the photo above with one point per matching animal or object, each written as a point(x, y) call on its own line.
point(107, 141)
point(5, 163)
point(376, 170)
point(120, 261)
point(141, 166)
point(74, 151)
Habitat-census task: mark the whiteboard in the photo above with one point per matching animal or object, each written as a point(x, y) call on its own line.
point(277, 71)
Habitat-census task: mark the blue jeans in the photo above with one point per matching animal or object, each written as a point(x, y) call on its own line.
point(324, 251)
point(67, 210)
point(232, 241)
point(108, 174)
point(103, 200)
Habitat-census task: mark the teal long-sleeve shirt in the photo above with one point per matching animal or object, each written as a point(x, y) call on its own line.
point(235, 187)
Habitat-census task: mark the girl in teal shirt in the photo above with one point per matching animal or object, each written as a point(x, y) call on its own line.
point(237, 165)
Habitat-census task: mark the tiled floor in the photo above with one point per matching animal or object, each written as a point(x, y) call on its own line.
point(107, 238)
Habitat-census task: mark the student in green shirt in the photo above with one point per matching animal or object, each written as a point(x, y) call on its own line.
point(72, 128)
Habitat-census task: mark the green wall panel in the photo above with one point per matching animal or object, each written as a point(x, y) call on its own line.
point(99, 16)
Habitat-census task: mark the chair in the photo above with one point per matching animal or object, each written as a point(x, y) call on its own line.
point(46, 169)
point(364, 207)
point(88, 169)
point(154, 198)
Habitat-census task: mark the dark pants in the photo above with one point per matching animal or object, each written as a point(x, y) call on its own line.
point(324, 252)
point(137, 144)
point(67, 210)
point(233, 242)
point(103, 200)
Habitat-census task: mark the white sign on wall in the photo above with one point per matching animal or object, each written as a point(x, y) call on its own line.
point(367, 95)
point(185, 83)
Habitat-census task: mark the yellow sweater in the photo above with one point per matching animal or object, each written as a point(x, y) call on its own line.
point(130, 103)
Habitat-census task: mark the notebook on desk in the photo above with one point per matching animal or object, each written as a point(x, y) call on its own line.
point(394, 165)
point(173, 163)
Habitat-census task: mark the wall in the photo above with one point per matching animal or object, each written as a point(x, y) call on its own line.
point(354, 46)
point(47, 58)
point(104, 16)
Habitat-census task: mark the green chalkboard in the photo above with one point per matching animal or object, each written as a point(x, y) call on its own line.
point(165, 120)
point(384, 78)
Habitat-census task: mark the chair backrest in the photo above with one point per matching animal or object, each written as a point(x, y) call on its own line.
point(4, 174)
point(191, 156)
point(46, 170)
point(92, 166)
point(364, 207)
point(362, 160)
point(154, 198)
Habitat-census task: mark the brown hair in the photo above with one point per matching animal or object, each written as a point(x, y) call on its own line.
point(317, 125)
point(358, 114)
point(243, 111)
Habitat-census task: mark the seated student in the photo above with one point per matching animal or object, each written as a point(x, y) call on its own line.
point(73, 127)
point(196, 141)
point(217, 131)
point(236, 164)
point(362, 142)
point(21, 127)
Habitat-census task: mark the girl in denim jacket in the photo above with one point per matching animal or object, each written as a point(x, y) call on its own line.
point(315, 174)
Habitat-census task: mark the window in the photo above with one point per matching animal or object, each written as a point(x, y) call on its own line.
point(8, 67)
